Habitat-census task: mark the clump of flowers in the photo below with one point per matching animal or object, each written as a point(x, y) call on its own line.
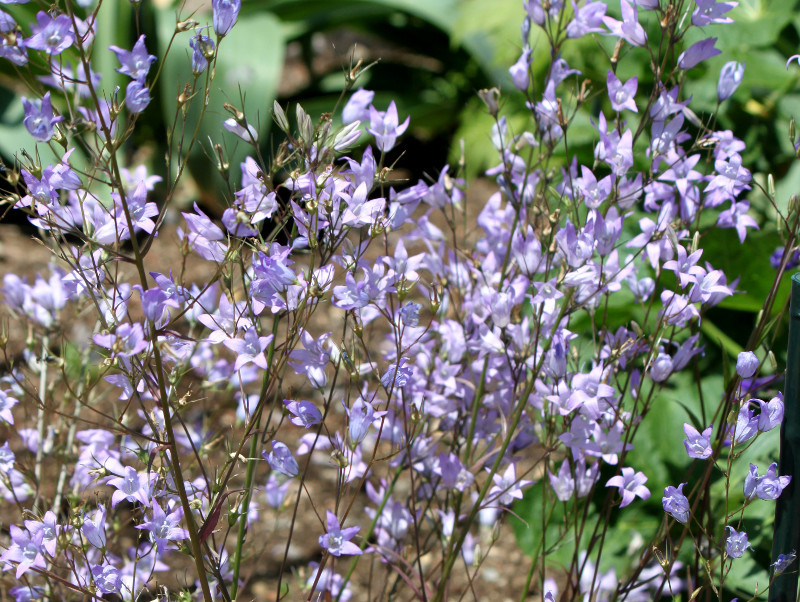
point(358, 338)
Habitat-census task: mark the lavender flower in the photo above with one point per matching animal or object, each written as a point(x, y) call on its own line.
point(770, 485)
point(304, 413)
point(729, 79)
point(26, 551)
point(281, 460)
point(164, 527)
point(622, 96)
point(224, 15)
point(135, 63)
point(386, 127)
point(697, 445)
point(137, 97)
point(39, 118)
point(630, 485)
point(11, 41)
point(676, 504)
point(202, 50)
point(736, 542)
point(337, 540)
point(133, 487)
point(697, 53)
point(52, 35)
point(358, 106)
point(771, 414)
point(782, 563)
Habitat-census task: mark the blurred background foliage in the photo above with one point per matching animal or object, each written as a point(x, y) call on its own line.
point(433, 56)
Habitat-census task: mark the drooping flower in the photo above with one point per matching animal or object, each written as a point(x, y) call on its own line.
point(676, 504)
point(202, 50)
point(729, 79)
point(697, 53)
point(281, 460)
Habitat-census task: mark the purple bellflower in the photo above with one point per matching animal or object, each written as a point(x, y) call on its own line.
point(698, 445)
point(249, 349)
point(203, 236)
point(280, 459)
point(630, 485)
point(224, 15)
point(107, 578)
point(770, 485)
point(622, 96)
point(357, 107)
point(783, 562)
point(337, 540)
point(164, 527)
point(137, 96)
point(711, 11)
point(133, 487)
point(697, 53)
point(588, 19)
point(26, 550)
point(746, 364)
point(676, 504)
point(202, 50)
point(39, 118)
point(136, 62)
point(736, 542)
point(51, 35)
point(385, 127)
point(303, 413)
point(729, 79)
point(629, 28)
point(11, 41)
point(771, 414)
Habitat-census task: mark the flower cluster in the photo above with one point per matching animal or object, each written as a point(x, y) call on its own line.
point(360, 334)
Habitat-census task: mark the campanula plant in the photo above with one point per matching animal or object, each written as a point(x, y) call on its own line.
point(406, 371)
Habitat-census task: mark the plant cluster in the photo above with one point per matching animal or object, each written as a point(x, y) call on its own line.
point(431, 368)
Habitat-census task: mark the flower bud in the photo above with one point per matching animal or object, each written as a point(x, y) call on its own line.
point(490, 97)
point(280, 117)
point(729, 79)
point(746, 364)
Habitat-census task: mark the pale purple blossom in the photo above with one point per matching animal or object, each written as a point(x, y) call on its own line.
point(630, 484)
point(337, 540)
point(676, 504)
point(736, 543)
point(698, 445)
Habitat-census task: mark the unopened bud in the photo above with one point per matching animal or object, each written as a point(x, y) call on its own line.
point(794, 205)
point(222, 163)
point(280, 117)
point(304, 125)
point(695, 241)
point(490, 97)
point(771, 186)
